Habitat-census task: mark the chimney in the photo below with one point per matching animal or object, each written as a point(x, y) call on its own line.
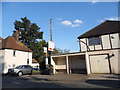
point(16, 35)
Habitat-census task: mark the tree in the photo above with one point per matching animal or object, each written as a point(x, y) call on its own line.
point(60, 51)
point(31, 36)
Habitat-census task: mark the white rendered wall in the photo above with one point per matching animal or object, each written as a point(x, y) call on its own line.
point(1, 60)
point(83, 46)
point(114, 60)
point(53, 63)
point(20, 58)
point(98, 47)
point(115, 40)
point(91, 47)
point(109, 41)
point(119, 60)
point(106, 42)
point(35, 65)
point(87, 62)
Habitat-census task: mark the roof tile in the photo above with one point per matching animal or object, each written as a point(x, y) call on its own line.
point(11, 43)
point(106, 27)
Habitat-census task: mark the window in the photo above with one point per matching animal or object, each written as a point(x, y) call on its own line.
point(27, 61)
point(94, 40)
point(27, 67)
point(14, 53)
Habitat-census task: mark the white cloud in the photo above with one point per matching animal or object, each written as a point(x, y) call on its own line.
point(75, 23)
point(67, 23)
point(110, 18)
point(78, 21)
point(94, 1)
point(113, 18)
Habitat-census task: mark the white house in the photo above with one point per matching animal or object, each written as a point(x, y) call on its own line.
point(35, 63)
point(99, 51)
point(13, 53)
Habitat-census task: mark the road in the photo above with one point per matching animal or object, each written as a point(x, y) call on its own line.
point(61, 81)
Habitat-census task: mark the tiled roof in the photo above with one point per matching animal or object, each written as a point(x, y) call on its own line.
point(107, 27)
point(0, 38)
point(34, 61)
point(0, 42)
point(11, 43)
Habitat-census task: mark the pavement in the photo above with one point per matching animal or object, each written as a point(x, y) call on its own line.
point(62, 81)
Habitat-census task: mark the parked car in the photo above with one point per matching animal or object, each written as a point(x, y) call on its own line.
point(20, 70)
point(36, 69)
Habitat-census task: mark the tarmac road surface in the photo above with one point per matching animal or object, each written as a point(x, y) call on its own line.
point(62, 81)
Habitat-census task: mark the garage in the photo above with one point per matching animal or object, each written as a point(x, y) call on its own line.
point(77, 64)
point(60, 64)
point(100, 64)
point(69, 63)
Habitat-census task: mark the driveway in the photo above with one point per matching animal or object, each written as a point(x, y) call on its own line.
point(61, 81)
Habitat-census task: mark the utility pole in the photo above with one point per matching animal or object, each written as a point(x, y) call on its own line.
point(50, 40)
point(48, 57)
point(48, 50)
point(50, 29)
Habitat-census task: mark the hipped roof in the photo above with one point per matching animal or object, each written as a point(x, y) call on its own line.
point(34, 61)
point(107, 27)
point(11, 43)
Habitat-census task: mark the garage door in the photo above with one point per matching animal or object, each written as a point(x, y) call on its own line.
point(99, 64)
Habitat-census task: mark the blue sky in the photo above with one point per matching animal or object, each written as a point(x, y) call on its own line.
point(70, 19)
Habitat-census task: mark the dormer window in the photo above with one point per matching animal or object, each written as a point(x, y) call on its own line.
point(94, 41)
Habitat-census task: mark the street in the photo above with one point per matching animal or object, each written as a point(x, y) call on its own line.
point(61, 81)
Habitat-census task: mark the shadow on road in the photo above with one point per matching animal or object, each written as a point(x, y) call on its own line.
point(106, 83)
point(112, 77)
point(32, 82)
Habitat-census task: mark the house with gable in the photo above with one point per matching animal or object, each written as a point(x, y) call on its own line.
point(13, 53)
point(99, 52)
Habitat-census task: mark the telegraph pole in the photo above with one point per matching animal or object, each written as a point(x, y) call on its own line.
point(50, 29)
point(50, 40)
point(48, 50)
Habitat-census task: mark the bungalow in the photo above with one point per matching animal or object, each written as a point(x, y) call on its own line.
point(13, 53)
point(99, 52)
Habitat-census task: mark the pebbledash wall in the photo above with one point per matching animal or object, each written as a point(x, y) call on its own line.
point(9, 60)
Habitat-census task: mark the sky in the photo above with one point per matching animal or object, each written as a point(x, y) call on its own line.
point(69, 19)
